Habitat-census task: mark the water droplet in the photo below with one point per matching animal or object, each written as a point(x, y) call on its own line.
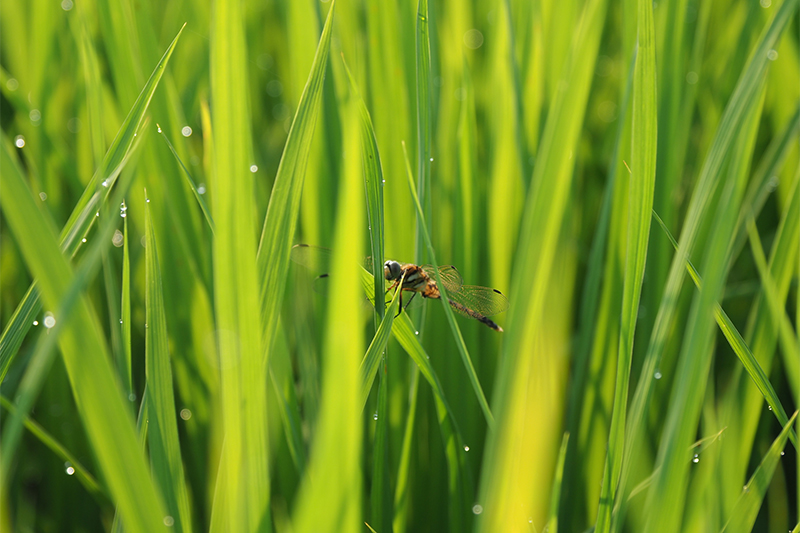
point(123, 215)
point(473, 39)
point(765, 3)
point(35, 322)
point(274, 88)
point(477, 509)
point(12, 84)
point(772, 55)
point(254, 168)
point(68, 468)
point(186, 131)
point(35, 115)
point(120, 321)
point(431, 160)
point(66, 5)
point(375, 416)
point(147, 200)
point(657, 375)
point(83, 240)
point(19, 141)
point(770, 407)
point(466, 448)
point(696, 459)
point(416, 333)
point(383, 181)
point(105, 183)
point(118, 239)
point(97, 214)
point(131, 397)
point(74, 125)
point(201, 189)
point(169, 521)
point(692, 77)
point(135, 134)
point(782, 453)
point(49, 320)
point(146, 326)
point(159, 128)
point(43, 196)
point(186, 414)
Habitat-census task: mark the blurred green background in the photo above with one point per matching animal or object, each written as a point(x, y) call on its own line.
point(520, 120)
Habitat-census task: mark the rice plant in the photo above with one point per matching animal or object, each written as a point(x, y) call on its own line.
point(624, 174)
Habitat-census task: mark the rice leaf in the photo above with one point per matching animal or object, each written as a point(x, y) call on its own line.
point(165, 451)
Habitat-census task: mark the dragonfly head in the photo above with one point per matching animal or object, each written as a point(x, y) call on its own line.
point(392, 270)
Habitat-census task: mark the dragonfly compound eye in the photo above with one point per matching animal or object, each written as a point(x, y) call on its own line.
point(391, 270)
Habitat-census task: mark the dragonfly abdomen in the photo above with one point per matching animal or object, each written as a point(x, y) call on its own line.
point(473, 314)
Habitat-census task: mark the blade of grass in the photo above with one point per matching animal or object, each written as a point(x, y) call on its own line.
point(242, 493)
point(743, 95)
point(786, 335)
point(373, 185)
point(281, 221)
point(44, 354)
point(521, 380)
point(667, 496)
point(377, 348)
point(70, 461)
point(423, 88)
point(747, 507)
point(555, 502)
point(82, 216)
point(402, 491)
point(737, 343)
point(97, 393)
point(459, 339)
point(200, 201)
point(325, 504)
point(165, 451)
point(382, 511)
point(644, 139)
point(126, 369)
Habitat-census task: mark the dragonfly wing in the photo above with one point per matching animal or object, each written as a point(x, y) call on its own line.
point(483, 300)
point(450, 276)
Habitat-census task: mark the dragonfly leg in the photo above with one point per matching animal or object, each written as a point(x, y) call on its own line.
point(409, 300)
point(400, 310)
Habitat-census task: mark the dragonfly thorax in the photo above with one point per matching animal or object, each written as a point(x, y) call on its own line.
point(392, 270)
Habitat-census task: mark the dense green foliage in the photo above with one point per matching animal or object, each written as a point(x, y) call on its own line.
point(627, 173)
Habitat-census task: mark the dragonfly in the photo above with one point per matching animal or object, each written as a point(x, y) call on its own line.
point(472, 301)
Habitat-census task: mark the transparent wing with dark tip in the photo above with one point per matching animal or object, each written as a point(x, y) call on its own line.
point(451, 278)
point(482, 300)
point(317, 260)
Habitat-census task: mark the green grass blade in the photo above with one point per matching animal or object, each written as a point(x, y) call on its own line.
point(336, 450)
point(738, 344)
point(521, 376)
point(459, 339)
point(381, 496)
point(242, 494)
point(373, 184)
point(70, 461)
point(200, 201)
point(747, 507)
point(280, 374)
point(284, 203)
point(668, 494)
point(786, 336)
point(125, 313)
point(555, 502)
point(82, 216)
point(99, 399)
point(640, 205)
point(44, 354)
point(423, 87)
point(403, 487)
point(377, 348)
point(165, 451)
